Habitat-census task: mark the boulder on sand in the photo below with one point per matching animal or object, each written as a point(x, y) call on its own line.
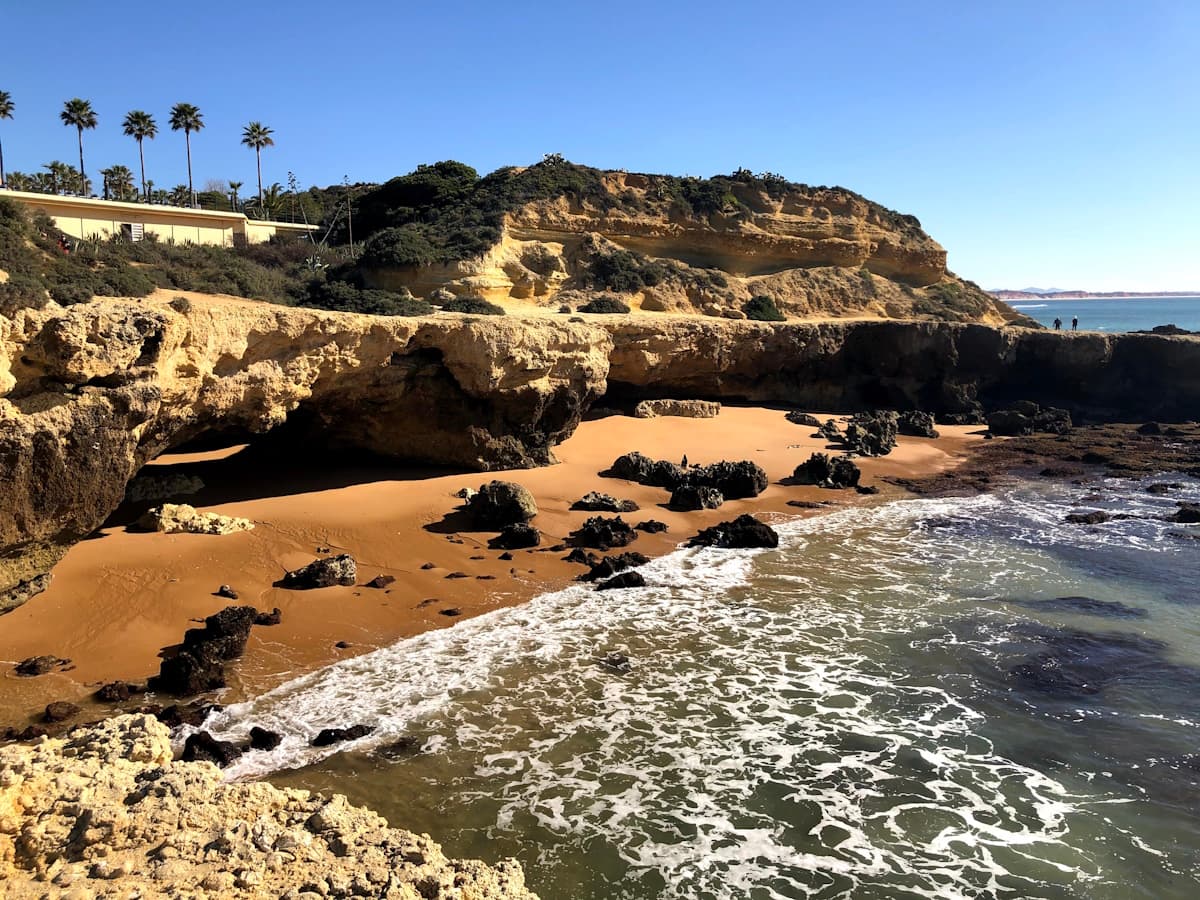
point(628, 579)
point(825, 471)
point(199, 665)
point(743, 532)
point(611, 565)
point(691, 409)
point(203, 747)
point(516, 536)
point(175, 518)
point(688, 497)
point(322, 573)
point(802, 418)
point(915, 423)
point(500, 503)
point(871, 433)
point(603, 534)
point(594, 501)
point(1026, 417)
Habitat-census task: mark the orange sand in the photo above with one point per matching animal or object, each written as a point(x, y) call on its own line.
point(119, 597)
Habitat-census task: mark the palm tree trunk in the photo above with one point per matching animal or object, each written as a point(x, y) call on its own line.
point(258, 153)
point(187, 136)
point(142, 160)
point(2, 180)
point(82, 176)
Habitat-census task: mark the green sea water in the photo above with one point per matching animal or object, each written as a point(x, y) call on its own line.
point(931, 698)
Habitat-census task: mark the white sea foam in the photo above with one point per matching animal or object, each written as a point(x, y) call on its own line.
point(764, 744)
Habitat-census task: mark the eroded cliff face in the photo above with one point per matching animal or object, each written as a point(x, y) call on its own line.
point(816, 252)
point(107, 811)
point(89, 394)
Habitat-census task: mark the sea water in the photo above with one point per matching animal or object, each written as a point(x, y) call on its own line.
point(1116, 313)
point(930, 698)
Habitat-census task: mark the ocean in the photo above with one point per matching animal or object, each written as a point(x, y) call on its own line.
point(929, 698)
point(1137, 314)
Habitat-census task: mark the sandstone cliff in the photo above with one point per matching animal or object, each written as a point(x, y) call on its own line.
point(562, 233)
point(89, 394)
point(106, 812)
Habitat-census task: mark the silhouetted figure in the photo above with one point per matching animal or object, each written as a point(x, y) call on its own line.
point(1075, 323)
point(1058, 324)
point(683, 463)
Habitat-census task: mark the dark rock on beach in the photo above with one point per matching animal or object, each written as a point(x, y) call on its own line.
point(611, 565)
point(176, 714)
point(825, 471)
point(616, 662)
point(322, 573)
point(263, 739)
point(115, 692)
point(627, 579)
point(1188, 514)
point(59, 711)
point(274, 617)
point(226, 591)
point(39, 665)
point(735, 480)
point(581, 556)
point(651, 526)
point(802, 418)
point(381, 581)
point(743, 532)
point(500, 503)
point(23, 592)
point(916, 424)
point(329, 736)
point(594, 501)
point(200, 664)
point(1027, 417)
point(203, 747)
point(689, 497)
point(603, 534)
point(516, 536)
point(871, 433)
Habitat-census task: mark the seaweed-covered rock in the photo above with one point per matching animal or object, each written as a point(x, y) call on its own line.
point(603, 534)
point(802, 418)
point(500, 503)
point(594, 501)
point(825, 471)
point(1026, 417)
point(627, 579)
point(611, 565)
point(516, 536)
point(743, 532)
point(915, 423)
point(689, 497)
point(871, 433)
point(322, 573)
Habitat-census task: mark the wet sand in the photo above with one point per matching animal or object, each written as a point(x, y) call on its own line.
point(121, 596)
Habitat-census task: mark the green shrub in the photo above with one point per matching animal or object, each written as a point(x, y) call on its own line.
point(604, 305)
point(763, 309)
point(472, 305)
point(398, 248)
point(343, 297)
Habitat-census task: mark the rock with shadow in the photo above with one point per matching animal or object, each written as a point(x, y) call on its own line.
point(744, 532)
point(516, 536)
point(628, 579)
point(322, 573)
point(827, 471)
point(199, 664)
point(691, 497)
point(203, 747)
point(500, 503)
point(328, 736)
point(914, 423)
point(603, 533)
point(802, 418)
point(1026, 417)
point(594, 501)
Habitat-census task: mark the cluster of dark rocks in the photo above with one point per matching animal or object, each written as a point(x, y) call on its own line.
point(507, 506)
point(1026, 417)
point(199, 663)
point(744, 532)
point(603, 533)
point(693, 487)
point(594, 501)
point(827, 471)
point(201, 746)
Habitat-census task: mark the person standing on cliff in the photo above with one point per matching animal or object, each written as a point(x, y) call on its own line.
point(1074, 323)
point(1058, 324)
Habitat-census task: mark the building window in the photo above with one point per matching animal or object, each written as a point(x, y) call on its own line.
point(133, 231)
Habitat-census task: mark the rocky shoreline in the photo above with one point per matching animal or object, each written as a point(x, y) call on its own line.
point(106, 811)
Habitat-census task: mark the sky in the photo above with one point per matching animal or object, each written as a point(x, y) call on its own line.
point(1051, 143)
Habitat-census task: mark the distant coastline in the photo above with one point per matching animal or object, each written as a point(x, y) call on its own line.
point(1088, 295)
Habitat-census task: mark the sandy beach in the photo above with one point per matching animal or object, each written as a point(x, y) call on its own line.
point(121, 596)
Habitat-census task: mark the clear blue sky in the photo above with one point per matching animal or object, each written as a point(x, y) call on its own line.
point(1042, 143)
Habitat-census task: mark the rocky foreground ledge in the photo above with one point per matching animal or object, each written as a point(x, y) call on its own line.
point(106, 812)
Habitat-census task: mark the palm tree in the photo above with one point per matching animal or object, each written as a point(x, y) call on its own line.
point(6, 111)
point(258, 135)
point(118, 181)
point(139, 126)
point(79, 114)
point(19, 181)
point(59, 175)
point(179, 195)
point(234, 187)
point(187, 118)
